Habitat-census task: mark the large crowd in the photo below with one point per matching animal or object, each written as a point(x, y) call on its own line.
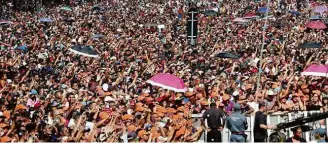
point(48, 93)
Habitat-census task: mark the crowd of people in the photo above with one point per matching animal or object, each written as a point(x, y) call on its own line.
point(48, 93)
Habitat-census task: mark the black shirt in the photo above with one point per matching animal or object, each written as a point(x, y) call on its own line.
point(300, 139)
point(213, 117)
point(260, 118)
point(312, 107)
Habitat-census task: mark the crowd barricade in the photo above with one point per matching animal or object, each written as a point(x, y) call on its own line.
point(272, 119)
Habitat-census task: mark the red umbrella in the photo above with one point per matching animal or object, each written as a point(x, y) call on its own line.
point(250, 15)
point(316, 25)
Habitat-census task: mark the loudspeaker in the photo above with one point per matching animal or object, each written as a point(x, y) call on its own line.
point(192, 24)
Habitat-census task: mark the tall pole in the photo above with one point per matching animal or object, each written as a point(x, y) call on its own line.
point(192, 28)
point(262, 47)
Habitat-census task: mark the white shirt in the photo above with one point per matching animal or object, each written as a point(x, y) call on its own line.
point(254, 105)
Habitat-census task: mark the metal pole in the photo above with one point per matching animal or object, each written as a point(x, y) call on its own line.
point(262, 47)
point(192, 28)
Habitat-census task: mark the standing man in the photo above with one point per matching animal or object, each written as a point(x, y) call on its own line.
point(215, 126)
point(237, 124)
point(260, 124)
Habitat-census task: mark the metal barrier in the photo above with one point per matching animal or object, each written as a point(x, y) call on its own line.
point(272, 119)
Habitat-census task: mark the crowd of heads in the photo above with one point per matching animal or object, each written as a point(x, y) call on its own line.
point(51, 94)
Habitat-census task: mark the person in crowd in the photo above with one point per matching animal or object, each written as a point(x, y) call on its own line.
point(260, 124)
point(297, 136)
point(237, 124)
point(246, 109)
point(319, 135)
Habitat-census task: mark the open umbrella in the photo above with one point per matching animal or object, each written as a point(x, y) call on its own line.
point(320, 9)
point(262, 10)
point(240, 20)
point(316, 70)
point(310, 45)
point(294, 12)
point(210, 13)
point(66, 8)
point(84, 51)
point(70, 19)
point(45, 20)
point(23, 48)
point(96, 7)
point(316, 25)
point(250, 15)
point(228, 55)
point(267, 17)
point(315, 17)
point(4, 22)
point(97, 36)
point(168, 81)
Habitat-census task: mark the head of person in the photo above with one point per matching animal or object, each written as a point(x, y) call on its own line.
point(325, 101)
point(236, 107)
point(297, 132)
point(213, 105)
point(262, 106)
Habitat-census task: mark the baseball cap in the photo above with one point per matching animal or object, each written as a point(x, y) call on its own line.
point(131, 135)
point(235, 93)
point(236, 107)
point(33, 92)
point(105, 87)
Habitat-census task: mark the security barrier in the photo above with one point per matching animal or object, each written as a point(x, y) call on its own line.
point(272, 119)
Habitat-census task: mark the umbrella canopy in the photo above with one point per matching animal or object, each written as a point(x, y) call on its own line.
point(316, 25)
point(316, 70)
point(315, 17)
point(69, 19)
point(168, 81)
point(228, 55)
point(263, 10)
point(320, 9)
point(97, 36)
point(96, 7)
point(295, 12)
point(267, 17)
point(250, 15)
point(66, 8)
point(240, 20)
point(210, 13)
point(310, 45)
point(84, 51)
point(23, 48)
point(45, 20)
point(4, 22)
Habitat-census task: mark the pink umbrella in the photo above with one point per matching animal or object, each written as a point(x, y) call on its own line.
point(320, 9)
point(250, 15)
point(316, 25)
point(240, 20)
point(316, 70)
point(168, 81)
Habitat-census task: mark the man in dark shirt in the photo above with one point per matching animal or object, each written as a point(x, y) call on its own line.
point(260, 124)
point(297, 136)
point(213, 116)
